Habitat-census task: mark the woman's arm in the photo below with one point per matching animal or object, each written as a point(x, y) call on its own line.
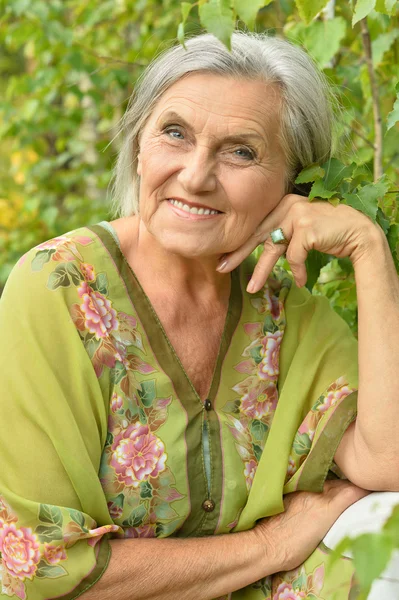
point(374, 439)
point(210, 567)
point(369, 450)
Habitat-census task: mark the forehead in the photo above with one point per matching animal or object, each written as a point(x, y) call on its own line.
point(219, 103)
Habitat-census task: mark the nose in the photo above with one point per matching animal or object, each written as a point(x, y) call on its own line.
point(198, 172)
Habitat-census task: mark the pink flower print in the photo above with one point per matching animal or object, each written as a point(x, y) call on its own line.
point(100, 317)
point(10, 585)
point(260, 400)
point(20, 550)
point(273, 304)
point(6, 515)
point(292, 468)
point(116, 402)
point(114, 510)
point(144, 531)
point(88, 272)
point(270, 351)
point(137, 455)
point(249, 472)
point(53, 554)
point(334, 396)
point(286, 592)
point(54, 243)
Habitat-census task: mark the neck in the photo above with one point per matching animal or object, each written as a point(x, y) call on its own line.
point(179, 276)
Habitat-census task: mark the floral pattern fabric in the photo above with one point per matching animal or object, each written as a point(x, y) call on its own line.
point(146, 461)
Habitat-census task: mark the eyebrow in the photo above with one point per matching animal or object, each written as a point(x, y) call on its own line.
point(228, 138)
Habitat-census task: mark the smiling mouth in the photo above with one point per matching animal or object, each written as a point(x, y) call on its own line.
point(194, 210)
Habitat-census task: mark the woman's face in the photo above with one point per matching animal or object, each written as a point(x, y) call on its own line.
point(211, 144)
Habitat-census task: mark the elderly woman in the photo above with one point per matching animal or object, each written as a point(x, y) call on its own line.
point(158, 400)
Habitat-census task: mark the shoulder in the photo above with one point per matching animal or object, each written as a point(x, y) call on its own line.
point(61, 263)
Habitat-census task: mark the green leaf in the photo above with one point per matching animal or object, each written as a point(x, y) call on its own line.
point(257, 451)
point(91, 344)
point(50, 571)
point(218, 19)
point(41, 258)
point(119, 500)
point(382, 44)
point(383, 221)
point(48, 533)
point(101, 284)
point(269, 326)
point(391, 526)
point(309, 174)
point(180, 34)
point(78, 517)
point(50, 514)
point(391, 6)
point(258, 430)
point(336, 172)
point(74, 273)
point(185, 10)
point(145, 490)
point(322, 39)
point(165, 512)
point(142, 416)
point(393, 116)
point(366, 198)
point(362, 9)
point(302, 444)
point(371, 553)
point(319, 190)
point(148, 392)
point(301, 581)
point(136, 517)
point(255, 354)
point(314, 262)
point(118, 372)
point(248, 9)
point(308, 9)
point(59, 278)
point(393, 241)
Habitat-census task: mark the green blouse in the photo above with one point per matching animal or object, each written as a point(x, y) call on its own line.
point(104, 435)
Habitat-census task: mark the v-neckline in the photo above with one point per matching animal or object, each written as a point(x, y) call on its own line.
point(152, 324)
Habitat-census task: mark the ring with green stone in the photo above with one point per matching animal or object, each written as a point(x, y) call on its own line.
point(278, 237)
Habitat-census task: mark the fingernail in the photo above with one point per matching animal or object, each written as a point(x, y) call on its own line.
point(222, 266)
point(251, 286)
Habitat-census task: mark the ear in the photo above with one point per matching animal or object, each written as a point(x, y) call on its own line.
point(138, 170)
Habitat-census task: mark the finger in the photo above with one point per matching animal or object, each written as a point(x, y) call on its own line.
point(265, 265)
point(232, 260)
point(297, 253)
point(272, 221)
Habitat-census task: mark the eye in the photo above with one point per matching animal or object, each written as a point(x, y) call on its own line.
point(172, 130)
point(246, 153)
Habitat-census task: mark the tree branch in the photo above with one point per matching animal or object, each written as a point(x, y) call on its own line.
point(376, 105)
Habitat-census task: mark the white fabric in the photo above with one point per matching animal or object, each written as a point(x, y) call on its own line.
point(368, 515)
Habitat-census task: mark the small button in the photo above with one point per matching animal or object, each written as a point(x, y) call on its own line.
point(208, 505)
point(208, 404)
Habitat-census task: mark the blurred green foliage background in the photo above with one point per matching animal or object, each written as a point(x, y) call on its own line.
point(68, 68)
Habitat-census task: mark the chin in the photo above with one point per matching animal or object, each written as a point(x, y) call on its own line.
point(189, 248)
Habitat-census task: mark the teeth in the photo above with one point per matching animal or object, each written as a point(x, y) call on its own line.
point(193, 210)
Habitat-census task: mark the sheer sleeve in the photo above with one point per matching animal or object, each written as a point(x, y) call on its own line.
point(54, 521)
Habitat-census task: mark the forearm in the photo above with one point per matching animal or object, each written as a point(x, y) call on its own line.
point(200, 568)
point(378, 313)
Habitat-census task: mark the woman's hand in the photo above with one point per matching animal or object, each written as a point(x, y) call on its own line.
point(338, 230)
point(290, 537)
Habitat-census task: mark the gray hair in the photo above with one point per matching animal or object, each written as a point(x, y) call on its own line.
point(307, 101)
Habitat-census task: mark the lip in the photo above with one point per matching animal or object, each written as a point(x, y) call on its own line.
point(190, 216)
point(193, 204)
